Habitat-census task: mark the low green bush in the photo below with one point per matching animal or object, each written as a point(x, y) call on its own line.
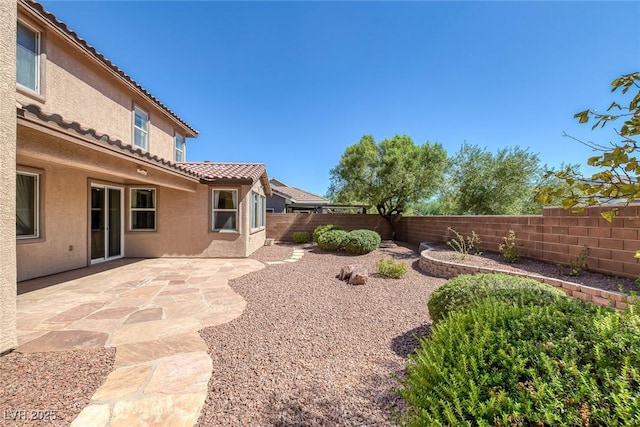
point(300, 236)
point(496, 363)
point(387, 267)
point(332, 240)
point(360, 242)
point(463, 290)
point(321, 229)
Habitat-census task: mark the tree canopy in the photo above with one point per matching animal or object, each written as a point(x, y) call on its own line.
point(617, 179)
point(390, 174)
point(480, 182)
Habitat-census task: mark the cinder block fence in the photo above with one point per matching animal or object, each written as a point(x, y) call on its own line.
point(555, 236)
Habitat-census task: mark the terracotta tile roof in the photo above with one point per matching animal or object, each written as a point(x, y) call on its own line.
point(33, 112)
point(51, 18)
point(212, 172)
point(295, 194)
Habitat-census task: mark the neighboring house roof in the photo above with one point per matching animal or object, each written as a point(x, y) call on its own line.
point(230, 173)
point(296, 195)
point(55, 22)
point(205, 172)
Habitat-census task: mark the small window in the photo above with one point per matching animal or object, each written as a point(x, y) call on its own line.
point(27, 205)
point(28, 58)
point(180, 148)
point(143, 209)
point(140, 128)
point(258, 210)
point(225, 210)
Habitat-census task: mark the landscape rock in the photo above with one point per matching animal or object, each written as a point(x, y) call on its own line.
point(359, 277)
point(347, 271)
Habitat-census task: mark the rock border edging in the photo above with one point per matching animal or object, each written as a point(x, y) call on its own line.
point(449, 269)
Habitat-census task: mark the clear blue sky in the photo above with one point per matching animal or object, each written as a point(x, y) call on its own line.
point(292, 84)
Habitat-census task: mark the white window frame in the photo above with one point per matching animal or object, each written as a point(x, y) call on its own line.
point(36, 207)
point(154, 209)
point(259, 202)
point(38, 53)
point(214, 210)
point(182, 150)
point(137, 109)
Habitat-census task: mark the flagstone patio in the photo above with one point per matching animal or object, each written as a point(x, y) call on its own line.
point(150, 310)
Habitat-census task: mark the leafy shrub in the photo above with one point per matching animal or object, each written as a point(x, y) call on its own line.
point(300, 236)
point(321, 229)
point(459, 292)
point(568, 363)
point(508, 248)
point(465, 245)
point(332, 240)
point(360, 242)
point(389, 268)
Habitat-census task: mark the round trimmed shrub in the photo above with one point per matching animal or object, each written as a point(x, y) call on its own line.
point(300, 236)
point(360, 242)
point(332, 240)
point(465, 289)
point(321, 229)
point(568, 363)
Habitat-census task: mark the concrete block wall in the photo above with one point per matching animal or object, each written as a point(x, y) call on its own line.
point(280, 226)
point(556, 236)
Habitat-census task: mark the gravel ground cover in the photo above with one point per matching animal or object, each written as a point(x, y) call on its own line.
point(310, 349)
point(494, 260)
point(50, 389)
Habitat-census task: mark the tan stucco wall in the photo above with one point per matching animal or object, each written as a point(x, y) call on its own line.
point(8, 290)
point(183, 227)
point(80, 90)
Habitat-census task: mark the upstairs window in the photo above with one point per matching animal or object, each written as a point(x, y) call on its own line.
point(28, 58)
point(143, 209)
point(225, 210)
point(180, 148)
point(27, 205)
point(140, 128)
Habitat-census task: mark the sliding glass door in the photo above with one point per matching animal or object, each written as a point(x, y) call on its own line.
point(107, 219)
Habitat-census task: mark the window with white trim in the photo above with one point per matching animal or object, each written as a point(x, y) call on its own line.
point(140, 128)
point(258, 211)
point(27, 205)
point(28, 58)
point(143, 209)
point(180, 148)
point(224, 215)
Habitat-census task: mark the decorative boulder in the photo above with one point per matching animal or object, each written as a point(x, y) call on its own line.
point(347, 270)
point(359, 277)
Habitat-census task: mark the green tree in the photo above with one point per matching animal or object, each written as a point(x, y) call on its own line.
point(389, 175)
point(619, 165)
point(484, 183)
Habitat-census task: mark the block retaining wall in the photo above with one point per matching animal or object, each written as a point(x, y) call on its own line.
point(556, 236)
point(449, 269)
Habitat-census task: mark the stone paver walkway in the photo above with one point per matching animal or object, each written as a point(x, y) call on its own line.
point(296, 256)
point(150, 310)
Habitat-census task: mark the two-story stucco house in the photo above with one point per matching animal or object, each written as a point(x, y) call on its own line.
point(100, 164)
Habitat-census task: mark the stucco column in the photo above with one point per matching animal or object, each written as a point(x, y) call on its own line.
point(8, 287)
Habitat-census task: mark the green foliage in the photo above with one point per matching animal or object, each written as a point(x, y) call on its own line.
point(465, 245)
point(387, 267)
point(619, 165)
point(458, 293)
point(483, 183)
point(496, 363)
point(360, 242)
point(301, 236)
point(577, 265)
point(321, 229)
point(332, 240)
point(389, 175)
point(508, 248)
